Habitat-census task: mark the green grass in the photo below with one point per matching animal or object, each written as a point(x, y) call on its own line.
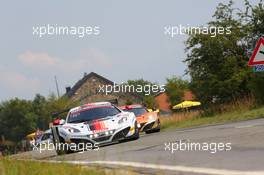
point(225, 117)
point(21, 167)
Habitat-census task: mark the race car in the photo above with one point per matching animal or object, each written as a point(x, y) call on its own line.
point(148, 122)
point(95, 123)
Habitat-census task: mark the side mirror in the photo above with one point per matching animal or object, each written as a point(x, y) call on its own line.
point(62, 122)
point(59, 122)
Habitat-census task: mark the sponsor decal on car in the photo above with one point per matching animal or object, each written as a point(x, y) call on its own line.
point(98, 126)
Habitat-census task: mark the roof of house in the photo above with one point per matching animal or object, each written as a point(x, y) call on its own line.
point(83, 80)
point(187, 95)
point(159, 93)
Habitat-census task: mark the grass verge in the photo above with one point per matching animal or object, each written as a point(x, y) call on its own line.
point(192, 119)
point(21, 167)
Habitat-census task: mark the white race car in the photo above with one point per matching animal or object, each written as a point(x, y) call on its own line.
point(94, 124)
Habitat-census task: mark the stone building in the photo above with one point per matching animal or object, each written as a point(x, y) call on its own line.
point(88, 89)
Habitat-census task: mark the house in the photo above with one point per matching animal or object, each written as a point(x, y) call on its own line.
point(90, 89)
point(163, 103)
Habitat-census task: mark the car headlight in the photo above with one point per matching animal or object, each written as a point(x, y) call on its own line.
point(106, 133)
point(73, 130)
point(151, 117)
point(122, 120)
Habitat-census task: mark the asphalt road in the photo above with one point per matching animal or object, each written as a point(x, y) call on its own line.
point(150, 155)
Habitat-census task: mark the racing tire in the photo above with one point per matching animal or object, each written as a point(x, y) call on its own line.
point(58, 140)
point(157, 129)
point(136, 134)
point(152, 131)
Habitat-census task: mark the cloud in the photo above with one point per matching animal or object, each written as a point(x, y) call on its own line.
point(37, 59)
point(88, 58)
point(42, 67)
point(94, 56)
point(19, 84)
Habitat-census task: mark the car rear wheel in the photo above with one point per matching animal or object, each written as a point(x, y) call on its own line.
point(157, 129)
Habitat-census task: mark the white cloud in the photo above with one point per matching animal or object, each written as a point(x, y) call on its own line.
point(18, 84)
point(89, 58)
point(95, 57)
point(37, 69)
point(37, 59)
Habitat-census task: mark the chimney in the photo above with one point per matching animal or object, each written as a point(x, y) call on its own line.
point(68, 88)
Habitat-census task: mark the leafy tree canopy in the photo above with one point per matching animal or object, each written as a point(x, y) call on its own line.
point(218, 65)
point(175, 88)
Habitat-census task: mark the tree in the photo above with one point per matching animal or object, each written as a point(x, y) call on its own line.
point(39, 107)
point(55, 104)
point(17, 119)
point(150, 102)
point(147, 96)
point(21, 117)
point(218, 65)
point(175, 88)
point(254, 17)
point(143, 83)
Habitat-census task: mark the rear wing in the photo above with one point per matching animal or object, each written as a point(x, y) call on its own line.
point(56, 114)
point(113, 101)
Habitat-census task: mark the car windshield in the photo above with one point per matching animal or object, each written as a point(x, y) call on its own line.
point(137, 111)
point(92, 114)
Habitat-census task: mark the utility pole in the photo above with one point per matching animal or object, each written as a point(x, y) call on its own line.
point(57, 87)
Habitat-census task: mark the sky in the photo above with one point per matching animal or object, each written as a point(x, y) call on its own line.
point(131, 43)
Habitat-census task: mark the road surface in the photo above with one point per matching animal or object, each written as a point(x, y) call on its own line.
point(150, 155)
